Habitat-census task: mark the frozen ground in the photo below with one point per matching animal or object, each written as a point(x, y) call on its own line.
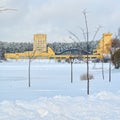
point(52, 96)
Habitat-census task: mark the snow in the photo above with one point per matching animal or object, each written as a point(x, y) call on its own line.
point(52, 96)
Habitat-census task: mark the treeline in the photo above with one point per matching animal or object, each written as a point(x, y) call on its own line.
point(15, 47)
point(60, 47)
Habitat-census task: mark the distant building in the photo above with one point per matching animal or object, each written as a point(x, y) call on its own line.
point(104, 45)
point(40, 49)
point(103, 48)
point(39, 43)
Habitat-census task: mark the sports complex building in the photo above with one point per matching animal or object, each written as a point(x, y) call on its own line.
point(41, 50)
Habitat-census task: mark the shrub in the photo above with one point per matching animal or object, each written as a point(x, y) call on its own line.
point(84, 76)
point(116, 59)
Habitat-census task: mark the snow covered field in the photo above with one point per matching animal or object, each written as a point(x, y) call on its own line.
point(52, 96)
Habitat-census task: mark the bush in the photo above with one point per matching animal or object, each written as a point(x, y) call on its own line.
point(116, 59)
point(59, 60)
point(84, 76)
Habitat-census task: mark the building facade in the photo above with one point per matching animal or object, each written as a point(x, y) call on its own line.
point(39, 43)
point(40, 49)
point(103, 49)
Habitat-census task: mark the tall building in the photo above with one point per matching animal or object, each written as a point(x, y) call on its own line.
point(39, 44)
point(103, 48)
point(104, 45)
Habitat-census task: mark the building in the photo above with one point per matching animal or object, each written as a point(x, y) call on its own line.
point(39, 43)
point(40, 49)
point(103, 48)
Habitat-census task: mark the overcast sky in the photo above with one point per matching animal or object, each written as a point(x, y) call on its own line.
point(55, 17)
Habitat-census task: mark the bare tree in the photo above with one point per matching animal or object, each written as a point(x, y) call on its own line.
point(110, 69)
point(119, 33)
point(71, 61)
point(30, 57)
point(103, 69)
point(87, 39)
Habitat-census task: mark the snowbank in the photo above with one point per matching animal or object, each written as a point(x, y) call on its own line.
point(102, 106)
point(52, 96)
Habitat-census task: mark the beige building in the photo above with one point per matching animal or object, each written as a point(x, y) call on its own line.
point(39, 43)
point(103, 48)
point(40, 49)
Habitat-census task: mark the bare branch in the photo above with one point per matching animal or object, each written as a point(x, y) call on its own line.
point(7, 9)
point(97, 30)
point(83, 33)
point(74, 35)
point(78, 45)
point(86, 23)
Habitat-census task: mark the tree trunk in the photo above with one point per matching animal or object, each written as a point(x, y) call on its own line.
point(29, 75)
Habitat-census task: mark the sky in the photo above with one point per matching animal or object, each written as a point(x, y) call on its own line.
point(56, 17)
